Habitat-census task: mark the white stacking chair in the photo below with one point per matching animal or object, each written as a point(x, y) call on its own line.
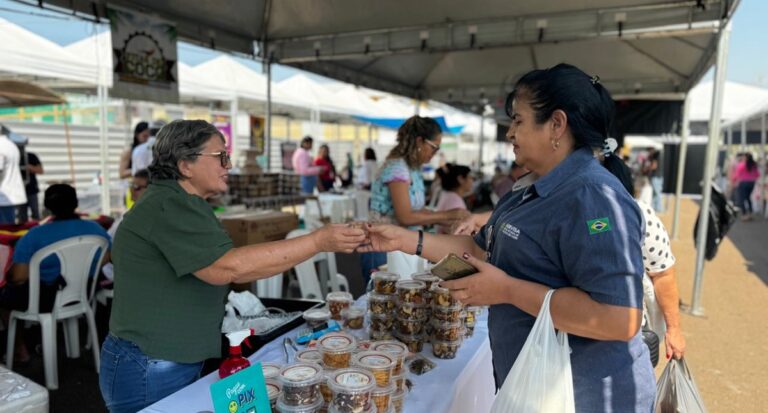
point(271, 287)
point(76, 255)
point(306, 272)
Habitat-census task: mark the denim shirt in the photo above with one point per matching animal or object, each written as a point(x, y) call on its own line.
point(575, 227)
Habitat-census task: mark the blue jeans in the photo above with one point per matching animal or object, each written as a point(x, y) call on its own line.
point(745, 189)
point(371, 261)
point(7, 214)
point(308, 184)
point(130, 380)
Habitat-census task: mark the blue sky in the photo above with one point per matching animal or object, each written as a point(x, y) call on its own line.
point(747, 58)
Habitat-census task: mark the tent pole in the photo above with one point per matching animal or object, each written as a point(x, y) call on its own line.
point(743, 135)
point(684, 132)
point(762, 162)
point(68, 139)
point(709, 166)
point(480, 149)
point(288, 128)
point(233, 109)
point(106, 208)
point(268, 126)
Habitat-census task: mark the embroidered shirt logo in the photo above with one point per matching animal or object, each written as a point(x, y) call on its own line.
point(599, 225)
point(511, 231)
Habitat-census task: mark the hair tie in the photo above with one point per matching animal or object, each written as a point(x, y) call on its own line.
point(609, 146)
point(594, 79)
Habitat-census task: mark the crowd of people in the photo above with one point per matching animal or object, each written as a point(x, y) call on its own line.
point(565, 217)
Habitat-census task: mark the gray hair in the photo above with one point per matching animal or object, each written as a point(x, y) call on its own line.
point(180, 140)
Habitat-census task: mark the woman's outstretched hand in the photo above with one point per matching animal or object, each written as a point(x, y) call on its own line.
point(384, 238)
point(338, 238)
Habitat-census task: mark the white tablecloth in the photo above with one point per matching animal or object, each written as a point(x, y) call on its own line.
point(464, 384)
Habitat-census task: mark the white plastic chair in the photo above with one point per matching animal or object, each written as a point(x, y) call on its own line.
point(271, 287)
point(306, 272)
point(76, 255)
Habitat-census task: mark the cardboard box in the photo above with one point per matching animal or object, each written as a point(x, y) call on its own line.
point(254, 227)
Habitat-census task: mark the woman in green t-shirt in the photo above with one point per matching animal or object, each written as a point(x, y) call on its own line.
point(173, 263)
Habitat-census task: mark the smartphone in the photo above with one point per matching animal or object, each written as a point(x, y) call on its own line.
point(452, 267)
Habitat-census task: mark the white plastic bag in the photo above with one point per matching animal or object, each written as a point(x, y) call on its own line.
point(676, 390)
point(405, 264)
point(540, 380)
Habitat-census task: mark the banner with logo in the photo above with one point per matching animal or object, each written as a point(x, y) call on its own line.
point(224, 125)
point(143, 57)
point(243, 392)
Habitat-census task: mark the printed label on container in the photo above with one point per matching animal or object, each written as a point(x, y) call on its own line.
point(336, 342)
point(376, 361)
point(272, 390)
point(270, 370)
point(300, 373)
point(391, 348)
point(311, 355)
point(353, 379)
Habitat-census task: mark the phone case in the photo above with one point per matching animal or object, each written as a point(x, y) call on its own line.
point(452, 267)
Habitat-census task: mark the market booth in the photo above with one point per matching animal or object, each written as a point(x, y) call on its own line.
point(445, 51)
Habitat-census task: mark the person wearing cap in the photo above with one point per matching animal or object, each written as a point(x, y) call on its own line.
point(141, 157)
point(61, 200)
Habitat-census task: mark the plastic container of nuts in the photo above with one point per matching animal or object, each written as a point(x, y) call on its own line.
point(394, 348)
point(337, 301)
point(316, 317)
point(353, 317)
point(284, 407)
point(399, 381)
point(427, 277)
point(472, 313)
point(274, 391)
point(414, 343)
point(381, 304)
point(410, 327)
point(337, 349)
point(411, 291)
point(310, 355)
point(382, 397)
point(451, 314)
point(325, 389)
point(381, 335)
point(445, 349)
point(441, 297)
point(384, 282)
point(351, 389)
point(270, 370)
point(300, 384)
point(410, 311)
point(382, 322)
point(447, 331)
point(398, 400)
point(379, 363)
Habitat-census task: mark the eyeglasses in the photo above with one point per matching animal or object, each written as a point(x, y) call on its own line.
point(434, 147)
point(138, 187)
point(223, 157)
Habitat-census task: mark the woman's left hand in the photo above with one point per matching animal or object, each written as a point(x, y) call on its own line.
point(675, 343)
point(486, 287)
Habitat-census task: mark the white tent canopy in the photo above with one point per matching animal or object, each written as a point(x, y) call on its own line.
point(738, 101)
point(29, 57)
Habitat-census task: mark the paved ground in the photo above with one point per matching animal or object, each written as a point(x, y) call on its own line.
point(726, 348)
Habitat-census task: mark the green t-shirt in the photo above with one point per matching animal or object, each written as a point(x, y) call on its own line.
point(159, 304)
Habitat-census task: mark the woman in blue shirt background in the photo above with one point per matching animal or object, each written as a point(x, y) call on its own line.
point(576, 230)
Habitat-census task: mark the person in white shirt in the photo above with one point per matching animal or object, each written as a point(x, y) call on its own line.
point(141, 157)
point(368, 170)
point(12, 192)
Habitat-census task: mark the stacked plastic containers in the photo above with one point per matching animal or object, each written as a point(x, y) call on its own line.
point(447, 326)
point(381, 305)
point(411, 313)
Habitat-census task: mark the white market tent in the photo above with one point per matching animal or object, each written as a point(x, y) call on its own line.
point(448, 51)
point(29, 57)
point(738, 100)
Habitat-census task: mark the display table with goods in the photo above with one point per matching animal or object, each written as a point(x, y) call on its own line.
point(401, 348)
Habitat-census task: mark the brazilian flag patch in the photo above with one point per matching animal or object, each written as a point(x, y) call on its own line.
point(599, 225)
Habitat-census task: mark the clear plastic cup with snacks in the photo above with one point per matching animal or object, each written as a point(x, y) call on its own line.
point(445, 349)
point(410, 326)
point(410, 311)
point(274, 391)
point(451, 314)
point(379, 363)
point(411, 291)
point(300, 382)
point(441, 297)
point(427, 277)
point(381, 304)
point(396, 349)
point(336, 349)
point(398, 400)
point(316, 317)
point(310, 355)
point(285, 407)
point(337, 301)
point(415, 343)
point(385, 282)
point(382, 397)
point(447, 331)
point(351, 389)
point(353, 318)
